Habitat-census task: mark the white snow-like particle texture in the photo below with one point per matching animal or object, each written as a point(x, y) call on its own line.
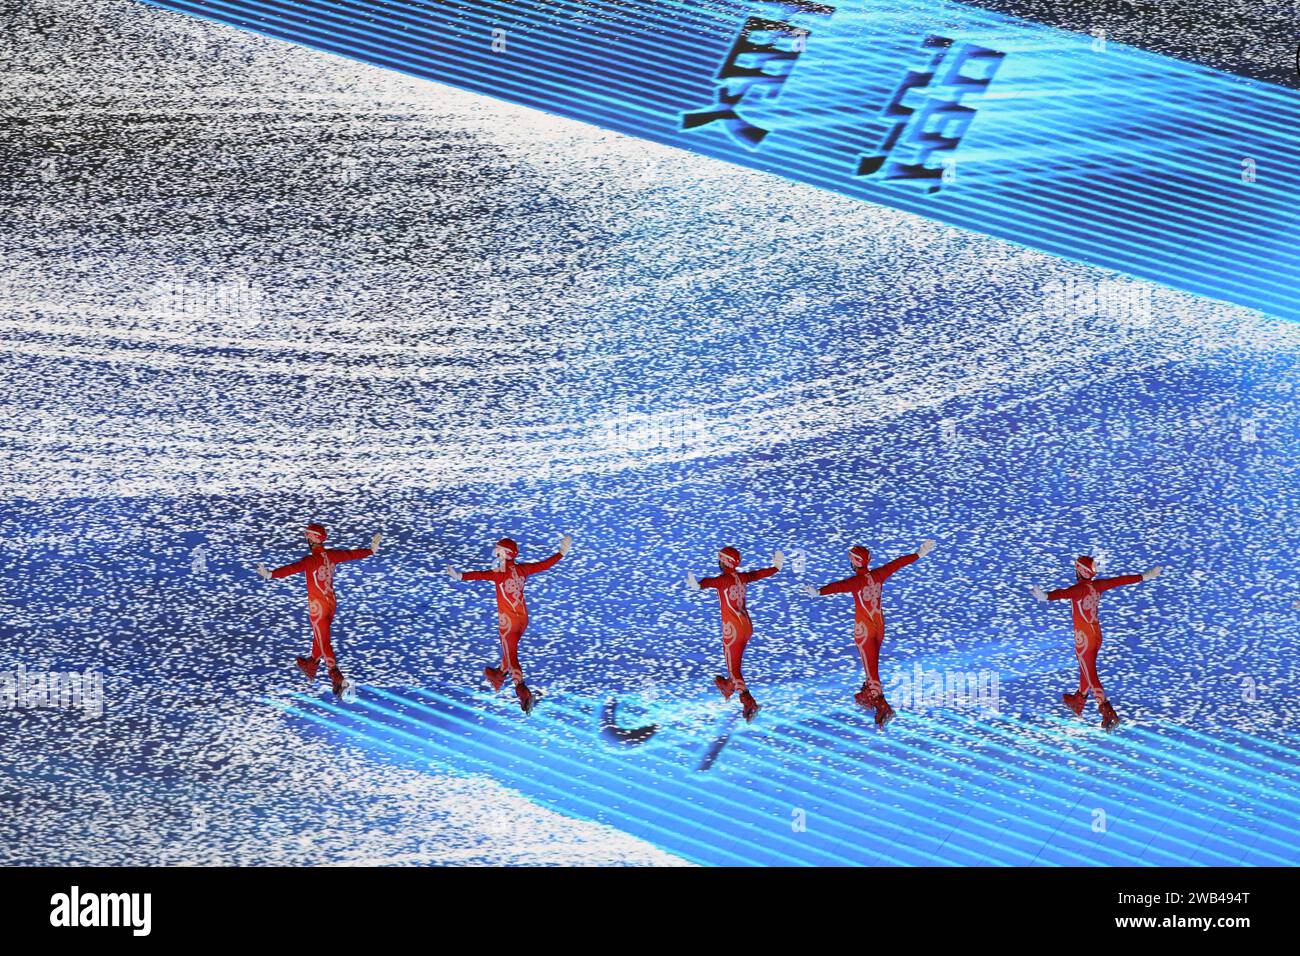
point(246, 790)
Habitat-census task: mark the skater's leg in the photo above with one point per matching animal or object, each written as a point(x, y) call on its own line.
point(734, 651)
point(875, 691)
point(308, 665)
point(324, 651)
point(510, 665)
point(1094, 680)
point(1088, 667)
point(1090, 681)
point(869, 651)
point(866, 695)
point(510, 653)
point(321, 649)
point(504, 625)
point(496, 676)
point(1087, 649)
point(511, 631)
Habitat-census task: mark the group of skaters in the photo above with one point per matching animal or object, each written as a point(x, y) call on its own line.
point(864, 583)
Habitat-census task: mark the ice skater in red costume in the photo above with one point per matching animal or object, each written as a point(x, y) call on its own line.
point(1084, 595)
point(868, 619)
point(512, 611)
point(318, 566)
point(737, 628)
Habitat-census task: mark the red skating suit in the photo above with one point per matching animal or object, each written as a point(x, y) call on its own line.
point(512, 611)
point(868, 619)
point(1084, 597)
point(321, 603)
point(737, 628)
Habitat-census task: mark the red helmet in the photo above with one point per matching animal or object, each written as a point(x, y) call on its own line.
point(315, 533)
point(508, 545)
point(1084, 568)
point(859, 556)
point(729, 558)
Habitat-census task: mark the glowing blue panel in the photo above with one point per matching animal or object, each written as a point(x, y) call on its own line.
point(1099, 152)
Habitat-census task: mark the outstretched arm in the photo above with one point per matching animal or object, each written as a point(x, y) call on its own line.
point(478, 575)
point(537, 567)
point(758, 574)
point(296, 568)
point(1101, 584)
point(835, 587)
point(339, 555)
point(702, 583)
point(885, 570)
point(1065, 594)
point(1119, 581)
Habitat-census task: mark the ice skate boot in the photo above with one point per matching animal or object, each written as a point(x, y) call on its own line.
point(1109, 719)
point(308, 666)
point(884, 713)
